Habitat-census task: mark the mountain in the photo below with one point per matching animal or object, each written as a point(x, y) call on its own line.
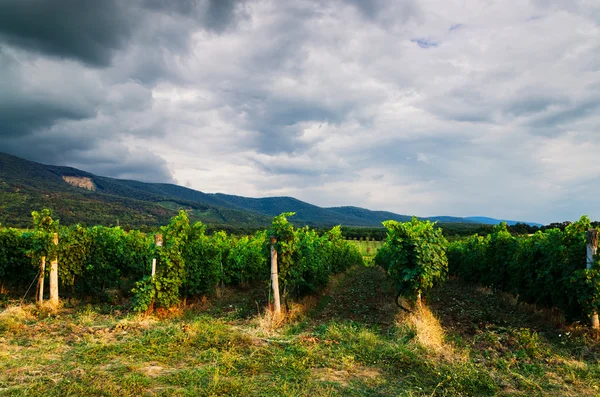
point(368, 216)
point(78, 196)
point(492, 221)
point(451, 219)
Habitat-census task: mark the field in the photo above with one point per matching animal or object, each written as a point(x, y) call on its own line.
point(348, 340)
point(367, 249)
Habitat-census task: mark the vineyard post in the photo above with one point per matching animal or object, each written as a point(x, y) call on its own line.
point(592, 249)
point(274, 277)
point(54, 276)
point(41, 281)
point(158, 242)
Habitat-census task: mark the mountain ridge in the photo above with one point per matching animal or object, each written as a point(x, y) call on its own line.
point(26, 186)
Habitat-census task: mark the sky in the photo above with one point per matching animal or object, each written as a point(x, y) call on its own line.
point(429, 107)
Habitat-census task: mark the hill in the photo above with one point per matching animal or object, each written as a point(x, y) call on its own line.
point(492, 221)
point(78, 196)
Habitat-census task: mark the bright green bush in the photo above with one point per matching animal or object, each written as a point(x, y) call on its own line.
point(414, 256)
point(163, 290)
point(248, 260)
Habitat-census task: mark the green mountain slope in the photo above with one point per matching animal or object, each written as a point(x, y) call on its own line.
point(26, 186)
point(368, 216)
point(305, 213)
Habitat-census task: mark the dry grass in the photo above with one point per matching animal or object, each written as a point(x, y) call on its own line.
point(17, 313)
point(344, 377)
point(429, 332)
point(269, 321)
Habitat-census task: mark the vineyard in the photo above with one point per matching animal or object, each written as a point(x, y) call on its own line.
point(367, 248)
point(107, 262)
point(546, 269)
point(477, 316)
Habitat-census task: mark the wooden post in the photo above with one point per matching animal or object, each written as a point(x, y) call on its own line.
point(158, 242)
point(592, 249)
point(274, 277)
point(54, 276)
point(41, 281)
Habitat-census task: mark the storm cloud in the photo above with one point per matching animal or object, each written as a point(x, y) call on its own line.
point(418, 107)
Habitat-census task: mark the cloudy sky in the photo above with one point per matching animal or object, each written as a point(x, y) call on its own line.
point(428, 107)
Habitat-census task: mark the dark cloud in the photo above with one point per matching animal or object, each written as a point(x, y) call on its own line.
point(566, 114)
point(26, 106)
point(213, 15)
point(99, 153)
point(387, 11)
point(86, 30)
point(533, 100)
point(279, 122)
point(119, 162)
point(22, 116)
point(524, 106)
point(92, 31)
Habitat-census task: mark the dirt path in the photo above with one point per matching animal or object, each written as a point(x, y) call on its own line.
point(364, 295)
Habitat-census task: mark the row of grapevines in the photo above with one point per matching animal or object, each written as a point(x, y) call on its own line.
point(15, 264)
point(414, 256)
point(307, 259)
point(546, 268)
point(192, 263)
point(97, 260)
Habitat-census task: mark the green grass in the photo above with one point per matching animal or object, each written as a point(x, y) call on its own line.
point(368, 249)
point(349, 341)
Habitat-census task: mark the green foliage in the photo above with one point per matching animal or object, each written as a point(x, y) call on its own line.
point(144, 294)
point(163, 290)
point(306, 260)
point(248, 259)
point(286, 241)
point(203, 261)
point(101, 260)
point(588, 283)
point(43, 238)
point(90, 260)
point(15, 262)
point(547, 268)
point(114, 256)
point(500, 251)
point(74, 245)
point(414, 256)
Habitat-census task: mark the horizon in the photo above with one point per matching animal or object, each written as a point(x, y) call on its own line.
point(332, 207)
point(401, 106)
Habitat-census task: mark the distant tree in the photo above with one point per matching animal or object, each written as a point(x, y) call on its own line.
point(556, 225)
